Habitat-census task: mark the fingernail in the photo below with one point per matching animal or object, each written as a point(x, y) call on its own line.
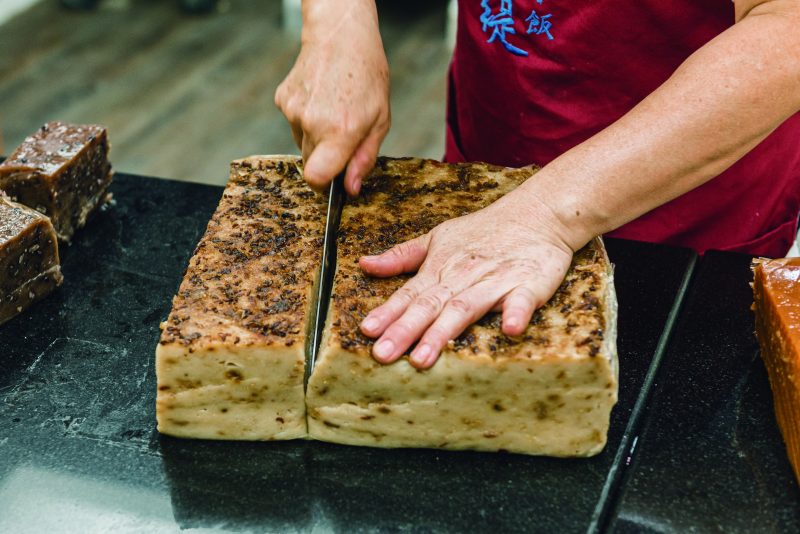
point(357, 187)
point(512, 322)
point(369, 324)
point(369, 258)
point(383, 349)
point(421, 354)
point(430, 361)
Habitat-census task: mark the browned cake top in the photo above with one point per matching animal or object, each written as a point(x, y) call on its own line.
point(251, 275)
point(14, 218)
point(53, 145)
point(777, 283)
point(405, 198)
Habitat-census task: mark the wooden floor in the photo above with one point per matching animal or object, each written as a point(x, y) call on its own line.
point(183, 95)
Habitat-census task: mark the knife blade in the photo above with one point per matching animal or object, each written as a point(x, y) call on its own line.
point(327, 270)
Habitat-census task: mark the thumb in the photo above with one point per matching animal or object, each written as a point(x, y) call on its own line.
point(326, 160)
point(403, 258)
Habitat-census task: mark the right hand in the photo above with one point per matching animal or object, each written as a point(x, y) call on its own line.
point(336, 97)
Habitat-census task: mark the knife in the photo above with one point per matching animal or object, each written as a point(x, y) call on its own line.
point(327, 269)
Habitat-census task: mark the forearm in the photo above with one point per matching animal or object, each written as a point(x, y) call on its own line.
point(716, 107)
point(343, 19)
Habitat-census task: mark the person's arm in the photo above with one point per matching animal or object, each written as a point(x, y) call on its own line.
point(718, 105)
point(336, 97)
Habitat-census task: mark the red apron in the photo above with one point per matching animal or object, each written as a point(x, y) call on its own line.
point(530, 79)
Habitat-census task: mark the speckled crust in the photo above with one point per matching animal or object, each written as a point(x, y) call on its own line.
point(231, 358)
point(776, 291)
point(62, 170)
point(549, 391)
point(29, 262)
point(402, 199)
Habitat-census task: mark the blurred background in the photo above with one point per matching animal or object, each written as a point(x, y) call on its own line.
point(185, 86)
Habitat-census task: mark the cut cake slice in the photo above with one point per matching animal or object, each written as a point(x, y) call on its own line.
point(547, 392)
point(231, 359)
point(63, 171)
point(29, 260)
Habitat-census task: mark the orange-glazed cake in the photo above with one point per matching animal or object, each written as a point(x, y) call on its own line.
point(776, 290)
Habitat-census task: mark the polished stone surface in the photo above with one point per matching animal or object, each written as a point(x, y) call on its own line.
point(711, 458)
point(79, 449)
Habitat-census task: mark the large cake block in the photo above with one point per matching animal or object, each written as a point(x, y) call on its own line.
point(29, 262)
point(776, 291)
point(231, 359)
point(549, 391)
point(62, 170)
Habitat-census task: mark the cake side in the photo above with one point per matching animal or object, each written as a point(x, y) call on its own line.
point(776, 291)
point(231, 359)
point(549, 391)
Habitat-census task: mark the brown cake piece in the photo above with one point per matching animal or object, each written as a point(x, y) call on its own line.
point(62, 170)
point(549, 391)
point(776, 291)
point(231, 360)
point(29, 263)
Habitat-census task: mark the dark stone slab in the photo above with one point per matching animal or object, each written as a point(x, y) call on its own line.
point(77, 423)
point(711, 458)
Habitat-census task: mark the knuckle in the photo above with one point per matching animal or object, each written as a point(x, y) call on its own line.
point(509, 270)
point(365, 159)
point(405, 295)
point(524, 299)
point(430, 304)
point(303, 120)
point(308, 117)
point(461, 306)
point(529, 271)
point(437, 336)
point(401, 250)
point(384, 122)
point(348, 129)
point(524, 294)
point(280, 91)
point(344, 125)
point(400, 330)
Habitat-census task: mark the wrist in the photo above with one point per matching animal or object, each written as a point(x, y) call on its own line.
point(324, 19)
point(566, 212)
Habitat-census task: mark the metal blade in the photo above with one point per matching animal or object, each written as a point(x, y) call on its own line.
point(327, 270)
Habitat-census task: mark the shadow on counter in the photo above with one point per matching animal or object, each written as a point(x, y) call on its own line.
point(313, 485)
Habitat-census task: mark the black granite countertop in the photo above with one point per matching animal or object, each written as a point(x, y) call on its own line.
point(79, 450)
point(710, 457)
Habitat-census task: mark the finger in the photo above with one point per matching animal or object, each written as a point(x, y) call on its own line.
point(460, 311)
point(417, 317)
point(518, 308)
point(297, 134)
point(376, 321)
point(363, 161)
point(402, 258)
point(306, 147)
point(327, 159)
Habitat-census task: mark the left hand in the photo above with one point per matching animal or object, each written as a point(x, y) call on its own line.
point(510, 257)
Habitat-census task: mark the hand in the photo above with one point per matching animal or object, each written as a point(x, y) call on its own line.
point(336, 97)
point(508, 257)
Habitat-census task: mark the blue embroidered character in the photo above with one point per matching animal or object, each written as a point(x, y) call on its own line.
point(501, 23)
point(539, 24)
